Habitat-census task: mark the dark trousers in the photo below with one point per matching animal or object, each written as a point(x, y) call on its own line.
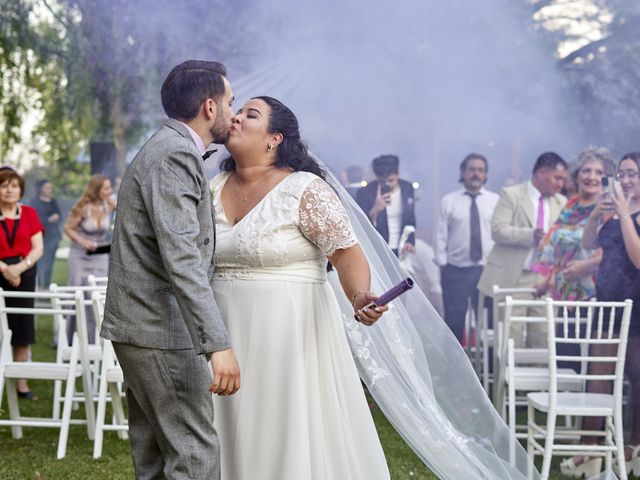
point(458, 286)
point(45, 264)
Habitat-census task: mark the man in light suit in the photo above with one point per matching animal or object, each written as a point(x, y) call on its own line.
point(522, 215)
point(160, 312)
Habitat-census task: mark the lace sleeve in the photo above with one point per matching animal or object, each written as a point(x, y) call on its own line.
point(323, 219)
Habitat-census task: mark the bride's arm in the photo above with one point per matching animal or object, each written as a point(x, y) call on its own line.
point(355, 278)
point(324, 221)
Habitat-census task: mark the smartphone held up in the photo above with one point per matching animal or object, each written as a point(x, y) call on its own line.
point(384, 189)
point(609, 191)
point(609, 185)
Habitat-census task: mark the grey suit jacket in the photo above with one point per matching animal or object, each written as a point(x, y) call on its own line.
point(512, 231)
point(159, 293)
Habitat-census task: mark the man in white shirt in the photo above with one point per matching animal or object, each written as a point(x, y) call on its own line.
point(463, 240)
point(522, 215)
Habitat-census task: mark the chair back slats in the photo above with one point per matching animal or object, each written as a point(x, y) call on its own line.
point(594, 323)
point(57, 305)
point(612, 316)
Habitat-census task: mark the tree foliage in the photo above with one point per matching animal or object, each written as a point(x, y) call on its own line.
point(94, 68)
point(603, 75)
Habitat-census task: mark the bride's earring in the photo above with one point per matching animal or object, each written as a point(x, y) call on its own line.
point(269, 147)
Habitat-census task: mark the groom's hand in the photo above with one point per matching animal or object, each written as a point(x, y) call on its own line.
point(226, 373)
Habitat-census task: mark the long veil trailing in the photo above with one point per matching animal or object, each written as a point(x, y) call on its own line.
point(421, 377)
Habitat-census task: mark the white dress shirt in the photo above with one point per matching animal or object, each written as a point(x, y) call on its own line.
point(534, 196)
point(197, 139)
point(394, 218)
point(453, 231)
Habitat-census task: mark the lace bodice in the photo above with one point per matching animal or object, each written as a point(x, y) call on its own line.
point(297, 224)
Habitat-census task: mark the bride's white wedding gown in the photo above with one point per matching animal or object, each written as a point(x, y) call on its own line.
point(301, 412)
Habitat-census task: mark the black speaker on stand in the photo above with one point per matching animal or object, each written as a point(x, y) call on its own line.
point(103, 159)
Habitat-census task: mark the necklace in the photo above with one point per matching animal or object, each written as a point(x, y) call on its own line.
point(244, 199)
point(261, 181)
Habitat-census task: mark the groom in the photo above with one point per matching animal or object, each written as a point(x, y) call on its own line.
point(160, 312)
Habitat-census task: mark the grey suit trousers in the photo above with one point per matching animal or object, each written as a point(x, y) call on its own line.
point(170, 413)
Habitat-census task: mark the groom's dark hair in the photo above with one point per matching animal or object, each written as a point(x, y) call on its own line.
point(188, 85)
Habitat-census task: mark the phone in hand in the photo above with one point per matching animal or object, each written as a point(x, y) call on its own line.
point(609, 185)
point(384, 189)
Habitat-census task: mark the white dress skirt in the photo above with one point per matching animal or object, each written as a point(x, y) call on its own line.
point(301, 412)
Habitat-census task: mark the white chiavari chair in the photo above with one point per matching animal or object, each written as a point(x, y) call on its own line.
point(76, 367)
point(594, 324)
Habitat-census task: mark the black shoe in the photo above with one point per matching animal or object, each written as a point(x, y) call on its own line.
point(28, 395)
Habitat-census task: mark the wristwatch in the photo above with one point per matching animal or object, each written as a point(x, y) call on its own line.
point(28, 262)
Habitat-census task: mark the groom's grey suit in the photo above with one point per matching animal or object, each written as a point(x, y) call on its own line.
point(160, 311)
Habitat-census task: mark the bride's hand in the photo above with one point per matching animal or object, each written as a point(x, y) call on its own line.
point(226, 373)
point(364, 314)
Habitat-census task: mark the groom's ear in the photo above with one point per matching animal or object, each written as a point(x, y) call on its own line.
point(209, 108)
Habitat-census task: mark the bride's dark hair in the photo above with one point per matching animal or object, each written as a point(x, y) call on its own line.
point(291, 153)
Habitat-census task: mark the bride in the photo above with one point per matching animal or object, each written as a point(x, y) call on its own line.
point(301, 412)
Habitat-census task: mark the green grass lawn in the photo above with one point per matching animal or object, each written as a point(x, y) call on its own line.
point(34, 456)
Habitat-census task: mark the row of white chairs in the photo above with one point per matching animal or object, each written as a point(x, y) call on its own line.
point(92, 362)
point(531, 377)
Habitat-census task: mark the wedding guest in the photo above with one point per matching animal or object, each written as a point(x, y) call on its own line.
point(389, 202)
point(522, 215)
point(88, 228)
point(50, 217)
point(21, 246)
point(463, 240)
point(614, 226)
point(567, 268)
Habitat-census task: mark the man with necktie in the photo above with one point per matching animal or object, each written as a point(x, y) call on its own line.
point(522, 215)
point(463, 239)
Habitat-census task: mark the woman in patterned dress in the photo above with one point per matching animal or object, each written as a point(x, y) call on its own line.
point(569, 269)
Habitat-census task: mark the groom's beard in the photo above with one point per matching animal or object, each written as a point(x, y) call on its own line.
point(220, 129)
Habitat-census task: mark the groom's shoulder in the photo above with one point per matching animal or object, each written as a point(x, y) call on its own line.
point(167, 142)
point(169, 138)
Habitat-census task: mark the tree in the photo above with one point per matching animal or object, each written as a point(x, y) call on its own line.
point(603, 73)
point(94, 68)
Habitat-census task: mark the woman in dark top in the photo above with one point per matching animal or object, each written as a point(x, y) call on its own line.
point(614, 226)
point(20, 249)
point(50, 216)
